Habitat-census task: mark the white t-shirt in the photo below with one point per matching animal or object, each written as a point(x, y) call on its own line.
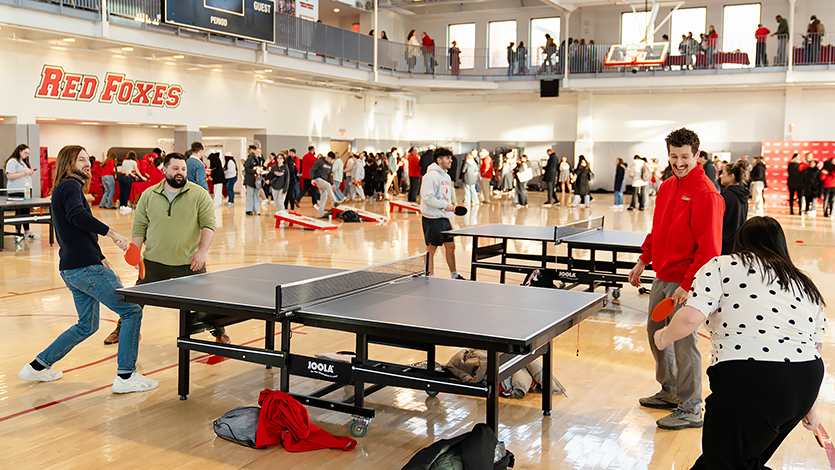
point(748, 317)
point(14, 166)
point(128, 166)
point(231, 170)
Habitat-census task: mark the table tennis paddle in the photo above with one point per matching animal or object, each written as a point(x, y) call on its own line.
point(134, 258)
point(460, 210)
point(663, 309)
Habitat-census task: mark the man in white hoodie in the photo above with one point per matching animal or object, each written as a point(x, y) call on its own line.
point(639, 173)
point(437, 209)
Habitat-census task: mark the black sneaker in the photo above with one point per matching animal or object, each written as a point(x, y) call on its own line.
point(458, 276)
point(248, 212)
point(630, 208)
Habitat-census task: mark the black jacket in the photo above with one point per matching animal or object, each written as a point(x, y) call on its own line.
point(811, 182)
point(279, 177)
point(620, 174)
point(76, 229)
point(795, 179)
point(216, 167)
point(584, 177)
point(736, 213)
point(471, 450)
point(758, 172)
point(550, 172)
point(249, 170)
point(321, 169)
point(710, 172)
point(426, 159)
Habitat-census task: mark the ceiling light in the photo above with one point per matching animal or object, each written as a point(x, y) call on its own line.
point(68, 39)
point(90, 123)
point(268, 70)
point(179, 56)
point(336, 10)
point(127, 49)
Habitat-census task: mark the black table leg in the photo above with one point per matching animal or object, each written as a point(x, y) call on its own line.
point(430, 358)
point(361, 358)
point(51, 229)
point(493, 393)
point(185, 356)
point(474, 259)
point(547, 374)
point(544, 258)
point(2, 229)
point(504, 260)
point(285, 347)
point(269, 338)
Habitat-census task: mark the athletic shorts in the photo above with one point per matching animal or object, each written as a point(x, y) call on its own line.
point(432, 231)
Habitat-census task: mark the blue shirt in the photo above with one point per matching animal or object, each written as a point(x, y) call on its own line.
point(197, 172)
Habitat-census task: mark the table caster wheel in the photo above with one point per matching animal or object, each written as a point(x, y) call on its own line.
point(183, 397)
point(359, 427)
point(562, 285)
point(616, 293)
point(642, 290)
point(432, 393)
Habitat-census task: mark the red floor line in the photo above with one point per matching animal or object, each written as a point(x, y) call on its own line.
point(828, 446)
point(16, 294)
point(79, 395)
point(90, 364)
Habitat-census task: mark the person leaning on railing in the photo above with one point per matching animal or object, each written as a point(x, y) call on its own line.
point(782, 34)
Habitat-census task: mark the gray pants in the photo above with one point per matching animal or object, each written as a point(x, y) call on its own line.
point(325, 191)
point(253, 203)
point(278, 199)
point(678, 368)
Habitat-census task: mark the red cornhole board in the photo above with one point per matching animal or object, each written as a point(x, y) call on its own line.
point(400, 205)
point(364, 215)
point(294, 218)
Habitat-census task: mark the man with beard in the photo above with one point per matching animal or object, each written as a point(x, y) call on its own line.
point(89, 276)
point(175, 220)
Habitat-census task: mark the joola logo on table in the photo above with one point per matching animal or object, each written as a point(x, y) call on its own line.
point(57, 84)
point(322, 369)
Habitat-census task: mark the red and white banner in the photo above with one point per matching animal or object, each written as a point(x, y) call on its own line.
point(776, 156)
point(57, 84)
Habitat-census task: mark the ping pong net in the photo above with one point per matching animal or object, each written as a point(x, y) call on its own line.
point(293, 296)
point(577, 228)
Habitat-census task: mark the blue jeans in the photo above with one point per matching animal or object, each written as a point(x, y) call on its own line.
point(109, 183)
point(618, 198)
point(230, 189)
point(90, 286)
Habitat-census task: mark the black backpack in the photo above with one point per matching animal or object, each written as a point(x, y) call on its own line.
point(350, 216)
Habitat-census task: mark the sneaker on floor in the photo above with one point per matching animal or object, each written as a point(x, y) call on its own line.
point(680, 419)
point(46, 375)
point(248, 212)
point(113, 337)
point(614, 208)
point(658, 401)
point(136, 383)
point(459, 277)
point(316, 206)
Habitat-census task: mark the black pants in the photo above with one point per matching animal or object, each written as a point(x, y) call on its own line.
point(522, 192)
point(26, 211)
point(290, 200)
point(752, 407)
point(761, 57)
point(792, 193)
point(828, 199)
point(811, 200)
point(414, 188)
point(162, 272)
point(307, 185)
point(636, 191)
point(549, 185)
point(124, 189)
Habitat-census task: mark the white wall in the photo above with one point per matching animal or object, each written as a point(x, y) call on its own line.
point(98, 139)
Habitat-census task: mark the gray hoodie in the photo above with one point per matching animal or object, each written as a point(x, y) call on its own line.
point(435, 193)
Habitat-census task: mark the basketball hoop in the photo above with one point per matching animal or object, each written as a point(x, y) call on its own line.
point(634, 55)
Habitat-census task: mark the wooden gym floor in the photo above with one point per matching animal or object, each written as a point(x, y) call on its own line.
point(76, 422)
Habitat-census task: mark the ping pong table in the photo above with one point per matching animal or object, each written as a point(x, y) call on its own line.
point(29, 217)
point(394, 304)
point(571, 270)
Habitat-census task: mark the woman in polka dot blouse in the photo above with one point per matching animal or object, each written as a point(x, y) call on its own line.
point(766, 324)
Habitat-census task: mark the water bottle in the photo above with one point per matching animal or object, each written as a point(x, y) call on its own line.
point(27, 191)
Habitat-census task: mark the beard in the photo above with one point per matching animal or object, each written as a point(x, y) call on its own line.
point(78, 174)
point(174, 182)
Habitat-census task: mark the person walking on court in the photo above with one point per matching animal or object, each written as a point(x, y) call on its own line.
point(794, 181)
point(196, 168)
point(638, 172)
point(89, 276)
point(485, 171)
point(686, 234)
point(620, 184)
point(230, 175)
point(218, 177)
point(307, 162)
point(252, 172)
point(828, 179)
point(175, 221)
point(279, 178)
point(521, 175)
point(766, 323)
point(565, 175)
point(436, 210)
point(734, 180)
point(414, 174)
point(758, 184)
point(582, 185)
point(470, 179)
point(320, 175)
point(549, 177)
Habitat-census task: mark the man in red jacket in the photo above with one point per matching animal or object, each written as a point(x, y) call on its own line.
point(486, 173)
point(686, 234)
point(414, 174)
point(307, 163)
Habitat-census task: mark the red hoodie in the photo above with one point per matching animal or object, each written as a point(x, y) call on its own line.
point(283, 420)
point(307, 163)
point(686, 227)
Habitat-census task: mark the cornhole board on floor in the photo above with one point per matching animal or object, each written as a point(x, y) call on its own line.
point(294, 218)
point(400, 205)
point(364, 215)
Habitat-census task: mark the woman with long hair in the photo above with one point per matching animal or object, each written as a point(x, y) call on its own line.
point(108, 180)
point(564, 178)
point(734, 182)
point(126, 175)
point(620, 183)
point(218, 177)
point(521, 186)
point(582, 185)
point(766, 324)
point(230, 174)
point(279, 178)
point(89, 276)
point(20, 178)
point(413, 50)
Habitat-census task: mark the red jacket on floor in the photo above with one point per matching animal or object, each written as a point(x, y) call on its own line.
point(686, 227)
point(283, 420)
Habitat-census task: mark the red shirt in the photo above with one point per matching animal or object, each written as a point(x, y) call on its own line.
point(307, 163)
point(109, 168)
point(828, 180)
point(761, 34)
point(145, 167)
point(414, 165)
point(686, 227)
point(711, 42)
point(428, 45)
point(487, 167)
point(156, 175)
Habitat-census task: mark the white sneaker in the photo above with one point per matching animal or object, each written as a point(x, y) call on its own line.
point(46, 375)
point(614, 208)
point(136, 383)
point(316, 206)
point(32, 236)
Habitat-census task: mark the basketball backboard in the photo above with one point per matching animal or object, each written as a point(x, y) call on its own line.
point(624, 55)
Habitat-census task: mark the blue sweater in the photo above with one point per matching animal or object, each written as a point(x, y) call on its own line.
point(76, 229)
point(197, 172)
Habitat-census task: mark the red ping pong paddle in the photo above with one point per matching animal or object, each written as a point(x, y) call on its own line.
point(460, 210)
point(663, 309)
point(134, 258)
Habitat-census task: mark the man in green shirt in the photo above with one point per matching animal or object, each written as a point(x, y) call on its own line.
point(175, 220)
point(782, 34)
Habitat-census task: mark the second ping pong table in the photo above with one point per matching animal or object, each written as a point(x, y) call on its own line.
point(570, 269)
point(393, 304)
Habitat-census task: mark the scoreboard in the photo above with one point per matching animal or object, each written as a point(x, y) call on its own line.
point(247, 19)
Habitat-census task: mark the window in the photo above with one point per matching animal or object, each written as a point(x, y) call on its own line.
point(738, 25)
point(464, 36)
point(685, 21)
point(539, 28)
point(499, 35)
point(633, 27)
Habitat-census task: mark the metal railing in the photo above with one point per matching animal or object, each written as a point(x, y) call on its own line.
point(143, 11)
point(814, 49)
point(90, 5)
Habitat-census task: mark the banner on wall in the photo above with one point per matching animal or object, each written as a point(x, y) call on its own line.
point(57, 84)
point(308, 9)
point(777, 154)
